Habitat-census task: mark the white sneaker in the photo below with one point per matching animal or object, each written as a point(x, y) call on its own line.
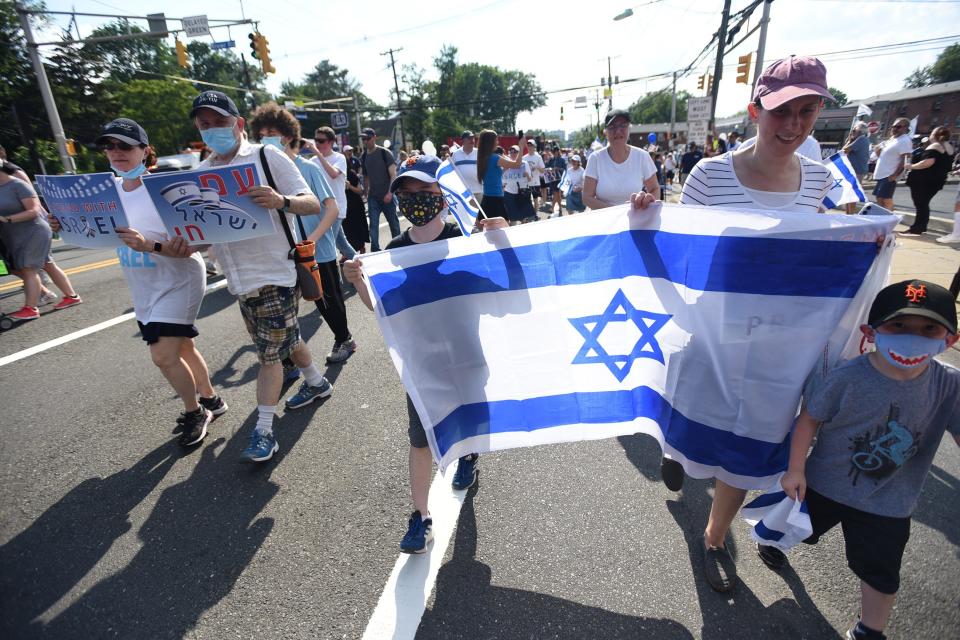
point(47, 298)
point(950, 239)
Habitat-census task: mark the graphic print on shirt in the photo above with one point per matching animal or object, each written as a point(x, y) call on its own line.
point(880, 452)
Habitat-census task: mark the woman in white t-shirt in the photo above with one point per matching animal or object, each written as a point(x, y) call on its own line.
point(619, 170)
point(166, 278)
point(770, 176)
point(516, 190)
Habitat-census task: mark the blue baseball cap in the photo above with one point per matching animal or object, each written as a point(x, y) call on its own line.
point(216, 100)
point(423, 168)
point(124, 130)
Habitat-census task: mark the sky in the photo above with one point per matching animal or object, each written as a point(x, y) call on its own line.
point(566, 45)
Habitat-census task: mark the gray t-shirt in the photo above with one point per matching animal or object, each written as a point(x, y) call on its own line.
point(879, 435)
point(375, 169)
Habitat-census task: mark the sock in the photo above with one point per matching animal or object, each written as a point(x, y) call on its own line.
point(265, 418)
point(863, 632)
point(312, 375)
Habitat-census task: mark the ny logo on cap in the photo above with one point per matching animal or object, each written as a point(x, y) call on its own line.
point(209, 96)
point(914, 294)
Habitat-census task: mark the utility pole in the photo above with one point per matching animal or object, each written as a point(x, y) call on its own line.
point(673, 107)
point(596, 104)
point(396, 86)
point(356, 111)
point(762, 45)
point(246, 83)
point(609, 85)
point(56, 126)
point(718, 67)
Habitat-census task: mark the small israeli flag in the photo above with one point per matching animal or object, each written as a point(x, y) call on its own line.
point(777, 520)
point(845, 187)
point(460, 200)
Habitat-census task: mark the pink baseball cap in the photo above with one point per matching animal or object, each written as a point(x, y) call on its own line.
point(790, 78)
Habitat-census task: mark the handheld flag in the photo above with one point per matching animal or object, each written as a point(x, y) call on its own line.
point(460, 200)
point(777, 520)
point(913, 125)
point(845, 187)
point(864, 110)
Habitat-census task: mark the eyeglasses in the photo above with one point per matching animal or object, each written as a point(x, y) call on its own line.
point(110, 146)
point(623, 126)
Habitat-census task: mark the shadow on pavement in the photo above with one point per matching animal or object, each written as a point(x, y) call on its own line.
point(468, 606)
point(644, 453)
point(939, 505)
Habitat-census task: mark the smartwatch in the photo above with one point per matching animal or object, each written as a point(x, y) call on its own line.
point(286, 203)
point(157, 247)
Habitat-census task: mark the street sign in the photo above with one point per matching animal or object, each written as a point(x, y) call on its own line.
point(873, 127)
point(698, 109)
point(339, 120)
point(195, 26)
point(157, 24)
point(226, 44)
point(580, 102)
point(300, 115)
point(697, 131)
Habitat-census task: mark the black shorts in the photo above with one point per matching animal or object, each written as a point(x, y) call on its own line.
point(535, 191)
point(874, 544)
point(153, 331)
point(415, 431)
point(553, 187)
point(493, 207)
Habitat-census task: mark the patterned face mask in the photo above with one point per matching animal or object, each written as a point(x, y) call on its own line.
point(420, 207)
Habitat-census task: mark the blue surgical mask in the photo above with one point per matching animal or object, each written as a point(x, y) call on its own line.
point(220, 139)
point(274, 140)
point(906, 350)
point(133, 174)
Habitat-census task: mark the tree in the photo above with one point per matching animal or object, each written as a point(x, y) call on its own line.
point(162, 108)
point(945, 69)
point(841, 96)
point(655, 107)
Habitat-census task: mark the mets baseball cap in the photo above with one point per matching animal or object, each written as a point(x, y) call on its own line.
point(368, 133)
point(423, 168)
point(914, 298)
point(789, 78)
point(216, 100)
point(125, 130)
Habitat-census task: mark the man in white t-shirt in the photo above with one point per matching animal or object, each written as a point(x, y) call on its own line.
point(892, 155)
point(465, 162)
point(259, 271)
point(334, 166)
point(535, 161)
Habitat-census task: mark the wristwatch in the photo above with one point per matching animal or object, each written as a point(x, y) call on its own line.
point(157, 247)
point(286, 203)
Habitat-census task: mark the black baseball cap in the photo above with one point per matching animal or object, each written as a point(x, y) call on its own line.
point(125, 130)
point(613, 114)
point(466, 134)
point(368, 133)
point(216, 100)
point(914, 298)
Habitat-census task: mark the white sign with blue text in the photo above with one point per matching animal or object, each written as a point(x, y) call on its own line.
point(87, 207)
point(211, 205)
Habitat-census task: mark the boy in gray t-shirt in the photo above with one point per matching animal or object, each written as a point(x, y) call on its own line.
point(881, 418)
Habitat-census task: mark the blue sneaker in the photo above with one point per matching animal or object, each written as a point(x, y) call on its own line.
point(308, 394)
point(261, 448)
point(466, 474)
point(290, 373)
point(419, 534)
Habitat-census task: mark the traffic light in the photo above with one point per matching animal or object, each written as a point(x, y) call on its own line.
point(700, 81)
point(561, 112)
point(71, 146)
point(260, 51)
point(743, 69)
point(181, 53)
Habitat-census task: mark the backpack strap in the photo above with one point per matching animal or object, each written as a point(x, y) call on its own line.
point(273, 185)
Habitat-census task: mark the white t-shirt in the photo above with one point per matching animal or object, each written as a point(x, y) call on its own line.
point(892, 150)
point(809, 149)
point(338, 184)
point(466, 166)
point(516, 179)
point(535, 162)
point(163, 289)
point(261, 261)
point(573, 177)
point(714, 183)
point(616, 182)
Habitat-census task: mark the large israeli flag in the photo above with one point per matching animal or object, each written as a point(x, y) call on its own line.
point(697, 326)
point(846, 188)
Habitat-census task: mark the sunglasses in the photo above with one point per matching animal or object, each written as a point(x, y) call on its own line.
point(322, 140)
point(110, 146)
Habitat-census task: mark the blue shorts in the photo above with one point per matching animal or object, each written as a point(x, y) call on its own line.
point(885, 188)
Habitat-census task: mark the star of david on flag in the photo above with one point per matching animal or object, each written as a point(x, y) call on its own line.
point(619, 310)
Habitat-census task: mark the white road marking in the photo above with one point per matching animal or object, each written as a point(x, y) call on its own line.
point(70, 337)
point(404, 598)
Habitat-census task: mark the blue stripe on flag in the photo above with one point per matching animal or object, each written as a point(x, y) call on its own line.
point(766, 500)
point(700, 443)
point(766, 533)
point(766, 266)
point(852, 179)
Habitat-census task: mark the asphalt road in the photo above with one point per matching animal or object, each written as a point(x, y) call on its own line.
point(941, 207)
point(109, 530)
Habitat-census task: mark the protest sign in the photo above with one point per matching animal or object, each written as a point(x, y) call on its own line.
point(211, 205)
point(87, 206)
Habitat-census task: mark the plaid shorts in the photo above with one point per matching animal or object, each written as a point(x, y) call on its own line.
point(271, 320)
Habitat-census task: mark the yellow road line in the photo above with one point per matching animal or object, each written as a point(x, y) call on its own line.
point(71, 271)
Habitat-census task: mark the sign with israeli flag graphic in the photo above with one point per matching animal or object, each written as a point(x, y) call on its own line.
point(695, 325)
point(460, 201)
point(846, 188)
point(87, 207)
point(211, 205)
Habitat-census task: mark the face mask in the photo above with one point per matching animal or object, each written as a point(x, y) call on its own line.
point(220, 139)
point(906, 351)
point(421, 207)
point(133, 174)
point(274, 140)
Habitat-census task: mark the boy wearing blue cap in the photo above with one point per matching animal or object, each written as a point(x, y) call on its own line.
point(421, 201)
point(881, 418)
